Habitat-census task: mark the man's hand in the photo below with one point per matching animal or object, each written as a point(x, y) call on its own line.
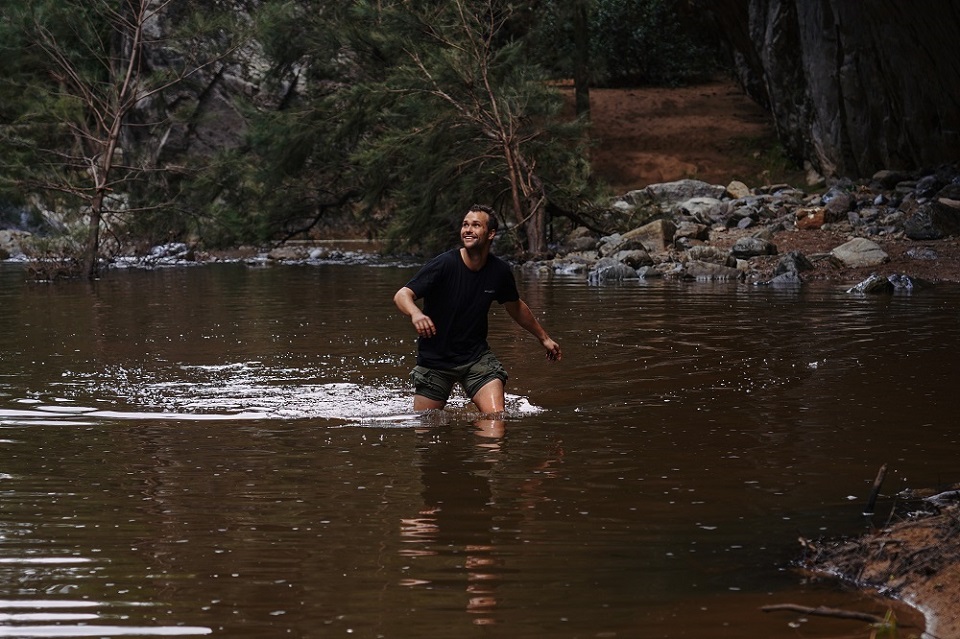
point(553, 350)
point(405, 299)
point(521, 314)
point(423, 325)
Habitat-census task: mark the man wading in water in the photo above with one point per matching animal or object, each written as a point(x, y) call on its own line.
point(457, 288)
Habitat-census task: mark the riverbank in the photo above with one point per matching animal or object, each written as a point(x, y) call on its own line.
point(717, 134)
point(710, 132)
point(905, 256)
point(915, 559)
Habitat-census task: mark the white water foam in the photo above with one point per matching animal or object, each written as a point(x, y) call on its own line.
point(237, 391)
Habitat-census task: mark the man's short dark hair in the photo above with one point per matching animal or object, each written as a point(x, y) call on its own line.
point(494, 224)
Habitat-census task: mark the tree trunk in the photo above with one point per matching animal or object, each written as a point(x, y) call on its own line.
point(92, 248)
point(536, 230)
point(581, 62)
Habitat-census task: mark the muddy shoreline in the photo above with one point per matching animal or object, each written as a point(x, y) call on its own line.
point(915, 559)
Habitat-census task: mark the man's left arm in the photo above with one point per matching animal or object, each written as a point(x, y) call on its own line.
point(522, 315)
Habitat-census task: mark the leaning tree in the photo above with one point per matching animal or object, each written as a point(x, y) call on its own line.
point(458, 111)
point(89, 74)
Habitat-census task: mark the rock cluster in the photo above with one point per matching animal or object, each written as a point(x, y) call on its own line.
point(694, 230)
point(686, 228)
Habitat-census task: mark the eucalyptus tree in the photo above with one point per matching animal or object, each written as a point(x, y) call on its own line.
point(85, 71)
point(463, 114)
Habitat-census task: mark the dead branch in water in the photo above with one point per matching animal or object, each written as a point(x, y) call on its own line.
point(823, 611)
point(875, 491)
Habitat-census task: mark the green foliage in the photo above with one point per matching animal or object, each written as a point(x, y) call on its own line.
point(74, 70)
point(455, 107)
point(30, 111)
point(402, 112)
point(649, 44)
point(292, 171)
point(390, 116)
point(632, 42)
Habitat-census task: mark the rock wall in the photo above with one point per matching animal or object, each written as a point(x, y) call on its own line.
point(200, 115)
point(853, 86)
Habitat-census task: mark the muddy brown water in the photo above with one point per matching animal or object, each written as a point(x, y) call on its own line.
point(229, 450)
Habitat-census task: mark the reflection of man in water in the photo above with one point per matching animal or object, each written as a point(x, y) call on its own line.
point(457, 522)
point(480, 508)
point(457, 288)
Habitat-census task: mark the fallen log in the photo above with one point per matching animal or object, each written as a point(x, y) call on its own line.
point(823, 611)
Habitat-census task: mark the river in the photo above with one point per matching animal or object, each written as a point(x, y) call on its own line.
point(229, 450)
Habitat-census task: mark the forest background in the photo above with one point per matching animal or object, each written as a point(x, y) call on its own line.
point(386, 117)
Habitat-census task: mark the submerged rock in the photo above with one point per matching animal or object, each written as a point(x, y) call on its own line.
point(609, 269)
point(873, 284)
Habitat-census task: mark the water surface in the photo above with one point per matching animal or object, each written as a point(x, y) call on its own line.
point(229, 450)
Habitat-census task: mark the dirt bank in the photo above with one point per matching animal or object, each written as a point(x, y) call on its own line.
point(714, 133)
point(916, 559)
point(710, 132)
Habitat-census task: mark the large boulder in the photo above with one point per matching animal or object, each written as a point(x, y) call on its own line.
point(934, 220)
point(634, 258)
point(691, 231)
point(747, 247)
point(654, 237)
point(698, 270)
point(669, 194)
point(737, 190)
point(859, 253)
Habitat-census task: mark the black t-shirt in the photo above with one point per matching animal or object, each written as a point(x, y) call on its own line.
point(458, 301)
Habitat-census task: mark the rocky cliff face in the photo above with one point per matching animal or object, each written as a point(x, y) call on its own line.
point(853, 87)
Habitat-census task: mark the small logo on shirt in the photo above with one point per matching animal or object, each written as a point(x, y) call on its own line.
point(489, 291)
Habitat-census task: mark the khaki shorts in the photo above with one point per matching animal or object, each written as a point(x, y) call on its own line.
point(437, 384)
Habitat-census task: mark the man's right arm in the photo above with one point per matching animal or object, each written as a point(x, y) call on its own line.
point(406, 301)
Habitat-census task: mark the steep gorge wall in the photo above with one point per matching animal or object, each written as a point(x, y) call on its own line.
point(853, 86)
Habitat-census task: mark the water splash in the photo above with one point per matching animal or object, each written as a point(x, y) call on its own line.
point(236, 391)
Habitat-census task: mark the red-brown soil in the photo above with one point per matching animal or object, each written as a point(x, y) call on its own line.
point(710, 132)
point(715, 133)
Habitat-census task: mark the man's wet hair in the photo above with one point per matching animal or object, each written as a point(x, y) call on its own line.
point(494, 224)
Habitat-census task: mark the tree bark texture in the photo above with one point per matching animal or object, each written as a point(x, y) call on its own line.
point(853, 87)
